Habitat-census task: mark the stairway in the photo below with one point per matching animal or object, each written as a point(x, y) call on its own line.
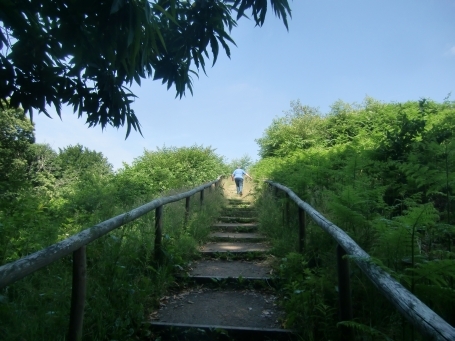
point(230, 294)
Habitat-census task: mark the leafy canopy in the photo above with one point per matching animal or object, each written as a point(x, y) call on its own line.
point(85, 53)
point(298, 129)
point(16, 135)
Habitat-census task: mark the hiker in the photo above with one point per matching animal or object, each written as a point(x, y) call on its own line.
point(237, 175)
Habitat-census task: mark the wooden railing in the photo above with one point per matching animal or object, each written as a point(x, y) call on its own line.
point(415, 311)
point(76, 244)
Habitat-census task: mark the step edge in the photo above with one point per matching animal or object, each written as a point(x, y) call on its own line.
point(233, 252)
point(237, 240)
point(234, 224)
point(230, 277)
point(214, 326)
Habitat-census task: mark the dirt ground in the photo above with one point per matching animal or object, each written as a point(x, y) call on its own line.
point(230, 190)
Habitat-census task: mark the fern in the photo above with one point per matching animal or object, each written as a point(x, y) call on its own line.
point(364, 330)
point(437, 272)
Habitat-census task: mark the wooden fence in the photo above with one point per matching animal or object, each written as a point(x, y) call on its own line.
point(76, 244)
point(415, 311)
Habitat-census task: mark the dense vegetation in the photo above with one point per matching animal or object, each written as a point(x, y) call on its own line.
point(48, 195)
point(383, 172)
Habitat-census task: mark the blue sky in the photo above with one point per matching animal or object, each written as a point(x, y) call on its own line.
point(393, 51)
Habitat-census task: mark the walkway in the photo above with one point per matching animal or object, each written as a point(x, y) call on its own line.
point(229, 293)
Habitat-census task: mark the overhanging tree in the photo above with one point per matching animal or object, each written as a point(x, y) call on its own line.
point(86, 53)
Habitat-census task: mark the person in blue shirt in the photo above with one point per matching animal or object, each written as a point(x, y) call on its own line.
point(237, 176)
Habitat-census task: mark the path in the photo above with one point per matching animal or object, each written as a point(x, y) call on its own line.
point(230, 296)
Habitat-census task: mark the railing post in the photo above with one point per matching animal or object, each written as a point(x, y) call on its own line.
point(187, 210)
point(287, 209)
point(344, 292)
point(302, 227)
point(158, 234)
point(78, 295)
point(202, 197)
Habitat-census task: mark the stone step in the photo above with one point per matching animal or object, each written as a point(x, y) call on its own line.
point(237, 236)
point(245, 310)
point(238, 200)
point(233, 247)
point(240, 207)
point(215, 268)
point(234, 203)
point(235, 227)
point(239, 212)
point(225, 219)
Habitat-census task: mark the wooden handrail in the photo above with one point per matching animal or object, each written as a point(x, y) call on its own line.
point(11, 272)
point(415, 311)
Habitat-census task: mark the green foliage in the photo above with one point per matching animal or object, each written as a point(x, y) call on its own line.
point(398, 142)
point(85, 54)
point(182, 239)
point(79, 161)
point(244, 162)
point(16, 136)
point(168, 168)
point(298, 129)
point(43, 168)
point(306, 302)
point(365, 331)
point(272, 224)
point(383, 172)
point(63, 193)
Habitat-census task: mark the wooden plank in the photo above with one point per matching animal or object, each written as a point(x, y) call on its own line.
point(11, 272)
point(415, 311)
